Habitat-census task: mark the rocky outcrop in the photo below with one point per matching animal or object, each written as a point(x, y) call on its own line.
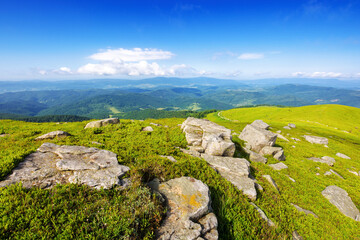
point(255, 157)
point(147, 129)
point(257, 138)
point(328, 160)
point(52, 135)
point(307, 212)
point(316, 140)
point(52, 164)
point(278, 166)
point(291, 125)
point(340, 199)
point(341, 155)
point(102, 123)
point(208, 137)
point(189, 215)
point(236, 171)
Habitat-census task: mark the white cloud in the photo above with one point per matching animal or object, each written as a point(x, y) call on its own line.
point(42, 72)
point(131, 55)
point(62, 70)
point(318, 74)
point(251, 56)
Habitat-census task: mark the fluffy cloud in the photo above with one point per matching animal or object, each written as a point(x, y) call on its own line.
point(251, 56)
point(131, 55)
point(63, 70)
point(318, 74)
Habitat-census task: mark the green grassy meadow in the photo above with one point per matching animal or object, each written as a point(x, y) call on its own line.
point(72, 211)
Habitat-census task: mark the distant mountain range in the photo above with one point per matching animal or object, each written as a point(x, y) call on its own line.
point(102, 97)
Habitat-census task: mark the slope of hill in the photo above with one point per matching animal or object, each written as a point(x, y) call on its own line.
point(76, 211)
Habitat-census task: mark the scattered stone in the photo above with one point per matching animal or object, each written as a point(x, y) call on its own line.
point(236, 171)
point(257, 138)
point(278, 166)
point(260, 124)
point(147, 129)
point(156, 124)
point(328, 173)
point(263, 215)
point(102, 123)
point(293, 146)
point(255, 157)
point(326, 146)
point(259, 187)
point(291, 125)
point(287, 127)
point(282, 137)
point(189, 215)
point(342, 156)
point(317, 174)
point(52, 164)
point(191, 152)
point(280, 156)
point(278, 131)
point(357, 174)
point(296, 139)
point(307, 212)
point(291, 179)
point(197, 149)
point(97, 143)
point(316, 140)
point(271, 181)
point(213, 138)
point(340, 199)
point(52, 135)
point(328, 160)
point(296, 236)
point(171, 158)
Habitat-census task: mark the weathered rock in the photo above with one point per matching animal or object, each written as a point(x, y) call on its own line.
point(328, 160)
point(257, 138)
point(156, 124)
point(342, 156)
point(307, 212)
point(213, 138)
point(263, 215)
point(280, 156)
point(147, 129)
point(191, 152)
point(328, 173)
point(340, 199)
point(276, 152)
point(260, 124)
point(189, 214)
point(291, 125)
point(52, 164)
point(353, 172)
point(52, 135)
point(102, 123)
point(291, 179)
point(282, 137)
point(278, 166)
point(287, 127)
point(296, 236)
point(171, 158)
point(316, 140)
point(271, 181)
point(236, 171)
point(296, 139)
point(255, 157)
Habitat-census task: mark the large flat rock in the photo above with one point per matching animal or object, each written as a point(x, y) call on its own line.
point(189, 215)
point(340, 199)
point(257, 138)
point(236, 171)
point(52, 164)
point(316, 139)
point(52, 135)
point(102, 123)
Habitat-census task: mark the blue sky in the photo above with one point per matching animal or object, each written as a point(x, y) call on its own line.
point(69, 39)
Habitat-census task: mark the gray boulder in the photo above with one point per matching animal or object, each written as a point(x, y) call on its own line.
point(276, 152)
point(147, 129)
point(287, 127)
point(255, 157)
point(263, 215)
point(209, 137)
point(257, 138)
point(189, 215)
point(307, 212)
point(236, 171)
point(316, 140)
point(278, 166)
point(53, 164)
point(52, 135)
point(102, 123)
point(271, 181)
point(342, 156)
point(340, 199)
point(328, 160)
point(291, 125)
point(260, 124)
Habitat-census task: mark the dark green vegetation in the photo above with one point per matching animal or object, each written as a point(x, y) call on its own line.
point(105, 98)
point(133, 213)
point(49, 118)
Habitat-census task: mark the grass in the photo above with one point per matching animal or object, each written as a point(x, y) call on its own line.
point(73, 211)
